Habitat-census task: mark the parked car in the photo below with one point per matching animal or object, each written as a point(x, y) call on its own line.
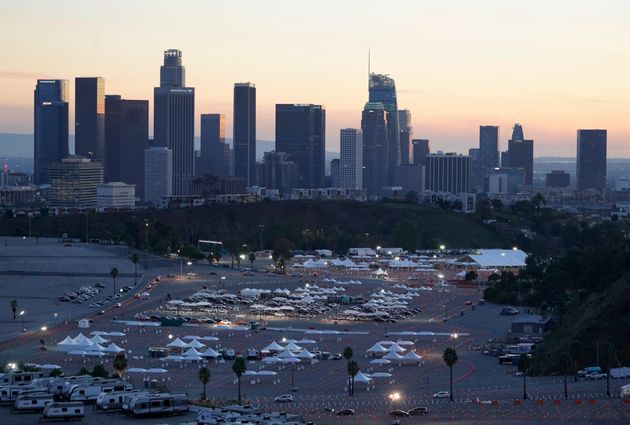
point(346, 412)
point(398, 413)
point(285, 398)
point(418, 411)
point(441, 394)
point(336, 356)
point(596, 375)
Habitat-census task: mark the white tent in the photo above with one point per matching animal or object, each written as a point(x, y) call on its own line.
point(136, 370)
point(68, 344)
point(392, 355)
point(192, 352)
point(376, 375)
point(362, 378)
point(274, 347)
point(113, 348)
point(397, 348)
point(97, 339)
point(380, 362)
point(210, 353)
point(270, 360)
point(267, 373)
point(292, 346)
point(195, 344)
point(289, 360)
point(411, 357)
point(306, 341)
point(156, 370)
point(380, 272)
point(177, 343)
point(377, 349)
point(286, 354)
point(305, 354)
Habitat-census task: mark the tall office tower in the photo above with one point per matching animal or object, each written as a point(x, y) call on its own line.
point(126, 139)
point(520, 154)
point(420, 149)
point(174, 120)
point(244, 134)
point(406, 131)
point(591, 159)
point(301, 133)
point(158, 174)
point(351, 158)
point(215, 153)
point(382, 88)
point(448, 173)
point(50, 127)
point(74, 181)
point(89, 113)
point(476, 179)
point(375, 148)
point(488, 152)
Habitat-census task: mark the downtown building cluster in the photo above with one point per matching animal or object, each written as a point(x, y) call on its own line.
point(116, 163)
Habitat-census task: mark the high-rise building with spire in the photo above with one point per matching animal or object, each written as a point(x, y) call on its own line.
point(50, 126)
point(520, 154)
point(382, 89)
point(174, 120)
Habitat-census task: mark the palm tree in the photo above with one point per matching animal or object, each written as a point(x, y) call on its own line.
point(210, 257)
point(239, 367)
point(347, 354)
point(120, 364)
point(204, 377)
point(252, 258)
point(608, 358)
point(523, 367)
point(114, 274)
point(13, 305)
point(353, 370)
point(450, 358)
point(134, 260)
point(564, 364)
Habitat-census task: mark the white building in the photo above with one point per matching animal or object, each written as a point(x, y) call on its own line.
point(158, 174)
point(351, 158)
point(115, 195)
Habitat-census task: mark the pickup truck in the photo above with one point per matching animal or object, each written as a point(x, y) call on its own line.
point(596, 375)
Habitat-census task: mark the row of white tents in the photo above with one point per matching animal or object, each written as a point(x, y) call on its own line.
point(82, 345)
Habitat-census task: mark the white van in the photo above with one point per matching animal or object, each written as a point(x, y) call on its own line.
point(66, 411)
point(158, 405)
point(115, 400)
point(89, 393)
point(33, 401)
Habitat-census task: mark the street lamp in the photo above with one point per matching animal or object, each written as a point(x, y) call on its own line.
point(22, 318)
point(146, 241)
point(442, 247)
point(261, 227)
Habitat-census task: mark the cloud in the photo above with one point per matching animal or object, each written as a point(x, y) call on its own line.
point(600, 100)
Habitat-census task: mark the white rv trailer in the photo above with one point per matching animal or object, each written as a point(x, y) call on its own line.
point(33, 401)
point(65, 411)
point(89, 393)
point(158, 405)
point(115, 400)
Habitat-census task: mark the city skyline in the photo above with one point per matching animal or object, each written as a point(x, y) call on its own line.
point(458, 72)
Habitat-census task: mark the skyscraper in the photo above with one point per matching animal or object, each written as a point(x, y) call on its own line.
point(375, 148)
point(215, 153)
point(448, 173)
point(244, 135)
point(89, 111)
point(420, 149)
point(591, 159)
point(488, 152)
point(406, 131)
point(301, 134)
point(277, 172)
point(520, 154)
point(351, 158)
point(126, 139)
point(50, 126)
point(382, 88)
point(74, 181)
point(174, 120)
point(158, 174)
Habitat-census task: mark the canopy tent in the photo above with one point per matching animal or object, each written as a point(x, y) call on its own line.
point(392, 355)
point(274, 347)
point(292, 346)
point(195, 344)
point(97, 339)
point(210, 353)
point(380, 362)
point(192, 352)
point(266, 373)
point(362, 378)
point(381, 375)
point(286, 354)
point(68, 344)
point(305, 354)
point(411, 357)
point(289, 360)
point(177, 343)
point(380, 272)
point(270, 360)
point(113, 348)
point(397, 348)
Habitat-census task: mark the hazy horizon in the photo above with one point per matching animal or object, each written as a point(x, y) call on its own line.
point(552, 66)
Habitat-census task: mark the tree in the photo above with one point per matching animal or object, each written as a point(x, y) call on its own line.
point(239, 367)
point(120, 363)
point(99, 371)
point(523, 367)
point(114, 274)
point(204, 377)
point(471, 275)
point(450, 358)
point(14, 306)
point(83, 371)
point(211, 257)
point(252, 258)
point(564, 364)
point(353, 370)
point(55, 373)
point(411, 197)
point(134, 260)
point(347, 354)
point(281, 253)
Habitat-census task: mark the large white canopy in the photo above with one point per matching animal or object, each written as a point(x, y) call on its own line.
point(274, 346)
point(177, 343)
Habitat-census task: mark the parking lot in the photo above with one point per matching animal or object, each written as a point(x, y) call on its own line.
point(482, 388)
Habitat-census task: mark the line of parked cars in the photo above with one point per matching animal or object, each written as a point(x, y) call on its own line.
point(82, 294)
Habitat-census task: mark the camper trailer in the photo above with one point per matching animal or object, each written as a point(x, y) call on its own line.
point(33, 401)
point(69, 386)
point(65, 411)
point(10, 393)
point(17, 378)
point(115, 400)
point(90, 392)
point(158, 405)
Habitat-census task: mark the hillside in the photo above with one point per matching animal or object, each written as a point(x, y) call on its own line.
point(604, 316)
point(308, 225)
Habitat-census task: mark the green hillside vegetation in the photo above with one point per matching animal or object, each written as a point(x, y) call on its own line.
point(307, 225)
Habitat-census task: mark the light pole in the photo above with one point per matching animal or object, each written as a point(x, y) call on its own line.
point(146, 241)
point(43, 329)
point(394, 398)
point(22, 320)
point(261, 227)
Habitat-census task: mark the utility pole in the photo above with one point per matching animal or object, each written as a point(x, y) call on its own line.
point(87, 227)
point(146, 241)
point(261, 227)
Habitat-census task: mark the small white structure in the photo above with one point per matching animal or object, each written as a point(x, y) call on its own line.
point(83, 324)
point(115, 195)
